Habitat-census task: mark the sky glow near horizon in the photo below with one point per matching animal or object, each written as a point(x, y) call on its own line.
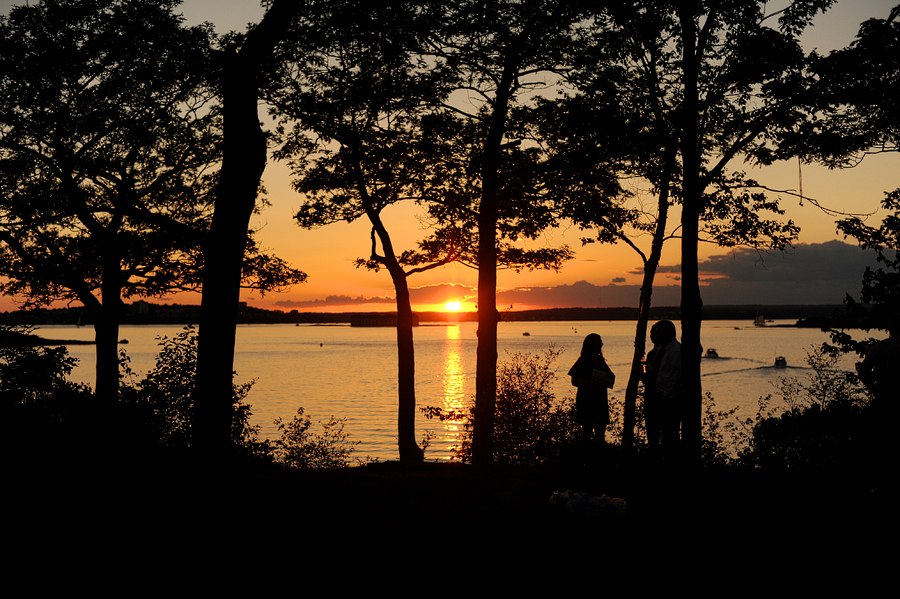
point(599, 275)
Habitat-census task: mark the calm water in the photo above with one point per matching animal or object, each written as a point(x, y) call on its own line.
point(351, 372)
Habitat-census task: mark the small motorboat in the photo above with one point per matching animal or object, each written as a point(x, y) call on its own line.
point(526, 334)
point(780, 362)
point(711, 353)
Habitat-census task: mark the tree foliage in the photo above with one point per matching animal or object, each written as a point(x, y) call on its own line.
point(853, 113)
point(108, 141)
point(879, 297)
point(108, 148)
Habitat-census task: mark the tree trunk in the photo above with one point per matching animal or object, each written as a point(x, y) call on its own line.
point(242, 167)
point(243, 163)
point(640, 334)
point(106, 337)
point(488, 317)
point(691, 302)
point(406, 376)
point(107, 313)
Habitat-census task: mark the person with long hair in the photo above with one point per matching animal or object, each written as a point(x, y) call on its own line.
point(593, 378)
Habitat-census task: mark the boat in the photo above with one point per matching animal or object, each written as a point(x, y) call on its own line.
point(760, 321)
point(711, 353)
point(780, 362)
point(526, 334)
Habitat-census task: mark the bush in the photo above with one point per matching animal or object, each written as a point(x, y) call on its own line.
point(163, 400)
point(530, 426)
point(823, 425)
point(299, 447)
point(35, 395)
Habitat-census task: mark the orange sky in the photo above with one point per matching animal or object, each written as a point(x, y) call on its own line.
point(327, 254)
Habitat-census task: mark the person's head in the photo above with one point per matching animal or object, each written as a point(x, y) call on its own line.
point(592, 345)
point(663, 332)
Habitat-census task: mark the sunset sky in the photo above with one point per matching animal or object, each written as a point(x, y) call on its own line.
point(817, 270)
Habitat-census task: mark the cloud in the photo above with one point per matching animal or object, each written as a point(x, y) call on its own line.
point(334, 300)
point(432, 294)
point(815, 273)
point(583, 294)
point(441, 294)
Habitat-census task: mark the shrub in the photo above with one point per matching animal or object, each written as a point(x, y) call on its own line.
point(530, 425)
point(163, 400)
point(299, 447)
point(35, 395)
point(823, 424)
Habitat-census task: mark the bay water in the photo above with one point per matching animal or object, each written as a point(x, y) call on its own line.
point(351, 372)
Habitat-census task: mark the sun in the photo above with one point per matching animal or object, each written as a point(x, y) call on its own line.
point(452, 306)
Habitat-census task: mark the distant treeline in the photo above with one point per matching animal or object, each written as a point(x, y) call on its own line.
point(148, 313)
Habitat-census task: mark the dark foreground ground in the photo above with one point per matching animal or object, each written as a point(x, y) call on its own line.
point(442, 513)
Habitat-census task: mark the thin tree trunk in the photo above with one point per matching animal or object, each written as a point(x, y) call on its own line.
point(651, 264)
point(691, 301)
point(406, 376)
point(488, 317)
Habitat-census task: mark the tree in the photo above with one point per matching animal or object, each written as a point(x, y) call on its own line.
point(501, 56)
point(623, 102)
point(371, 132)
point(108, 149)
point(244, 61)
point(717, 80)
point(356, 98)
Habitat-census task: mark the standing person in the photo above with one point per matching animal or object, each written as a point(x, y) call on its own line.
point(652, 409)
point(593, 377)
point(667, 367)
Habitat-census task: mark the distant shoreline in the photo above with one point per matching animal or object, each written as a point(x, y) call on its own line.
point(141, 313)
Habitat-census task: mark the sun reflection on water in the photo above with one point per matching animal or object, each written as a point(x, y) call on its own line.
point(454, 388)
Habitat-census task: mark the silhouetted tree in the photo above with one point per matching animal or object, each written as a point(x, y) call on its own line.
point(501, 55)
point(244, 62)
point(716, 79)
point(356, 98)
point(108, 142)
point(371, 132)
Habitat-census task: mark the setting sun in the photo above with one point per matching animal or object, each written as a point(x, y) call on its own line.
point(452, 306)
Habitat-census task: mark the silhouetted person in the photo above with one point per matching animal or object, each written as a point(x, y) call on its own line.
point(593, 377)
point(669, 401)
point(652, 409)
